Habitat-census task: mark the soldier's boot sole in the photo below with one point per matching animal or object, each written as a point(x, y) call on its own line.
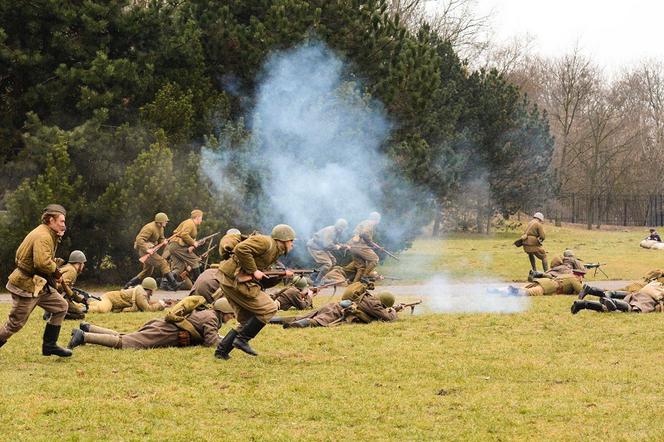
point(249, 331)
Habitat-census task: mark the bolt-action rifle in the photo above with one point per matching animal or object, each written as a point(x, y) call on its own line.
point(154, 249)
point(404, 305)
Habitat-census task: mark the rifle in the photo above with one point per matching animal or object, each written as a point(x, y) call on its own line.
point(316, 290)
point(85, 295)
point(390, 278)
point(377, 247)
point(408, 304)
point(597, 266)
point(204, 240)
point(153, 250)
point(243, 277)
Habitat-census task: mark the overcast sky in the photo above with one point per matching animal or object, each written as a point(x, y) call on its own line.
point(613, 33)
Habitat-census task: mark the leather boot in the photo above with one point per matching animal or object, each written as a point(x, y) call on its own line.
point(281, 320)
point(132, 282)
point(579, 305)
point(2, 343)
point(172, 282)
point(50, 342)
point(252, 327)
point(589, 290)
point(533, 265)
point(77, 338)
point(302, 323)
point(194, 274)
point(614, 304)
point(616, 294)
point(545, 264)
point(112, 341)
point(225, 346)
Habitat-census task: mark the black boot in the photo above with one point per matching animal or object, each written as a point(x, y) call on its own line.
point(278, 320)
point(588, 290)
point(590, 305)
point(46, 316)
point(2, 343)
point(617, 294)
point(172, 282)
point(614, 304)
point(85, 326)
point(132, 282)
point(248, 332)
point(77, 338)
point(302, 323)
point(225, 346)
point(545, 264)
point(50, 342)
point(194, 274)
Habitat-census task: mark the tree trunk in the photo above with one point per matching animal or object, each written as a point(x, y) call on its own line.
point(437, 220)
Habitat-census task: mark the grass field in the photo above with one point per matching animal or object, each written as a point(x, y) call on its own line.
point(472, 256)
point(543, 374)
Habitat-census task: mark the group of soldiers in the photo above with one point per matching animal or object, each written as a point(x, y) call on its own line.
point(234, 288)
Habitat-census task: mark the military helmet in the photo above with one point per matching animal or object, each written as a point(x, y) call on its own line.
point(539, 216)
point(300, 282)
point(233, 232)
point(341, 224)
point(568, 254)
point(374, 216)
point(149, 283)
point(386, 298)
point(77, 256)
point(161, 217)
point(54, 209)
point(283, 232)
point(222, 305)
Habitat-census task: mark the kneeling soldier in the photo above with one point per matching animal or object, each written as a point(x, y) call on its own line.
point(198, 327)
point(133, 299)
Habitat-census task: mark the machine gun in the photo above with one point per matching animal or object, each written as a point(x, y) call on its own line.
point(596, 266)
point(404, 305)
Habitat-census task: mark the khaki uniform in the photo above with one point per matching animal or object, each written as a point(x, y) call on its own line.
point(291, 297)
point(321, 246)
point(337, 274)
point(178, 249)
point(257, 252)
point(324, 316)
point(364, 257)
point(369, 307)
point(133, 299)
point(653, 275)
point(151, 235)
point(567, 284)
point(532, 240)
point(75, 309)
point(207, 285)
point(227, 243)
point(27, 283)
point(648, 299)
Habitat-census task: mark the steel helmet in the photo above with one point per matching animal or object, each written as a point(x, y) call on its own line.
point(283, 232)
point(149, 283)
point(77, 256)
point(539, 216)
point(386, 298)
point(233, 232)
point(300, 283)
point(161, 217)
point(341, 224)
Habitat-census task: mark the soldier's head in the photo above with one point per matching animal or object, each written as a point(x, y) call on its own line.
point(568, 254)
point(652, 230)
point(375, 217)
point(539, 216)
point(224, 310)
point(386, 298)
point(341, 225)
point(197, 216)
point(300, 283)
point(161, 218)
point(149, 284)
point(78, 260)
point(233, 232)
point(53, 216)
point(284, 234)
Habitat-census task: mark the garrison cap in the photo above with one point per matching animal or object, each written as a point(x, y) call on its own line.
point(196, 213)
point(54, 209)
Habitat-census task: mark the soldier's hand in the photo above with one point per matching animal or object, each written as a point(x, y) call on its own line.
point(191, 249)
point(57, 274)
point(398, 307)
point(258, 275)
point(150, 251)
point(289, 274)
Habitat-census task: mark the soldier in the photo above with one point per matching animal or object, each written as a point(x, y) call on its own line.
point(151, 236)
point(228, 242)
point(323, 243)
point(559, 266)
point(647, 299)
point(296, 295)
point(364, 257)
point(32, 283)
point(70, 271)
point(565, 284)
point(336, 274)
point(133, 299)
point(357, 305)
point(532, 241)
point(207, 285)
point(199, 327)
point(181, 248)
point(240, 284)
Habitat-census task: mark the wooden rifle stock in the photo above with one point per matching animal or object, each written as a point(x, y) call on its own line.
point(145, 257)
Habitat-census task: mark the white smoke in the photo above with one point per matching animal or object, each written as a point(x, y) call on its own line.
point(473, 297)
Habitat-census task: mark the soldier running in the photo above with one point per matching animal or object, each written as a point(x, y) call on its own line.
point(323, 243)
point(181, 248)
point(364, 257)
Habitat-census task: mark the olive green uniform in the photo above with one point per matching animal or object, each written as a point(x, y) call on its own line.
point(27, 283)
point(133, 299)
point(532, 242)
point(75, 309)
point(566, 284)
point(257, 252)
point(321, 246)
point(364, 257)
point(158, 333)
point(178, 249)
point(150, 236)
point(207, 285)
point(292, 297)
point(336, 274)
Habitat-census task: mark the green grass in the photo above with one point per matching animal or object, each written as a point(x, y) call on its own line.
point(544, 374)
point(472, 256)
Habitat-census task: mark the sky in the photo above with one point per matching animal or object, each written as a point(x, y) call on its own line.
point(615, 34)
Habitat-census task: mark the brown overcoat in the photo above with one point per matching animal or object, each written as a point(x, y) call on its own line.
point(159, 333)
point(291, 297)
point(35, 256)
point(534, 235)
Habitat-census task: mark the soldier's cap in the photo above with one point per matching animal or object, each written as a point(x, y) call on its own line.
point(579, 271)
point(196, 213)
point(54, 209)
